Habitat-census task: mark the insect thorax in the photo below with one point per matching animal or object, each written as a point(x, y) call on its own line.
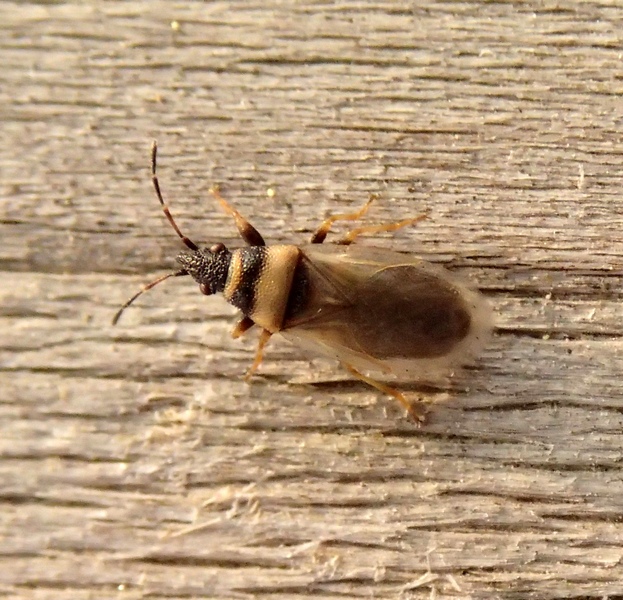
point(259, 282)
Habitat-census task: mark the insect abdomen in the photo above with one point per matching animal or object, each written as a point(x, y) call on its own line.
point(415, 314)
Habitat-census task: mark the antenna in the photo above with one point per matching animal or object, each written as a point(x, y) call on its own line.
point(167, 213)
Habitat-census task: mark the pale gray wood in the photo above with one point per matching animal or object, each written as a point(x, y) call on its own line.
point(135, 460)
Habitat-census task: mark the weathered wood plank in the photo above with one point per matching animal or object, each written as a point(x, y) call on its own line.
point(135, 460)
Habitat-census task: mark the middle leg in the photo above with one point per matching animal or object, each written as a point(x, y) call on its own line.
point(322, 231)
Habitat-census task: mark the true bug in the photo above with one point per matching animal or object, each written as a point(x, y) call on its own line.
point(371, 309)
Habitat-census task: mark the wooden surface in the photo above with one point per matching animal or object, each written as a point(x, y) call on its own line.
point(137, 463)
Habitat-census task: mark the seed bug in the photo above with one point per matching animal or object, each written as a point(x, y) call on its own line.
point(372, 309)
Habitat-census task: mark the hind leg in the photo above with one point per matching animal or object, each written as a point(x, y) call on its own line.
point(350, 237)
point(322, 231)
point(386, 389)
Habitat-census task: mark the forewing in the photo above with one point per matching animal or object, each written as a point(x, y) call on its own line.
point(382, 311)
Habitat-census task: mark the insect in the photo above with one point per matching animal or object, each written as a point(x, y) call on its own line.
point(372, 309)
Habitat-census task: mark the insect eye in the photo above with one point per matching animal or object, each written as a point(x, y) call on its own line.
point(204, 288)
point(217, 248)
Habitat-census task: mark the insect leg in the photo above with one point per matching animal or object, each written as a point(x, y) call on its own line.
point(350, 237)
point(264, 337)
point(242, 327)
point(248, 233)
point(322, 231)
point(415, 415)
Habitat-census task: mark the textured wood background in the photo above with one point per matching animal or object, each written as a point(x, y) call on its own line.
point(137, 463)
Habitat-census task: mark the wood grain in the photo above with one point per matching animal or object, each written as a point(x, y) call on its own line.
point(135, 460)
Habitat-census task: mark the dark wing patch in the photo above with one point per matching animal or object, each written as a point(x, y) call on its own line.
point(405, 312)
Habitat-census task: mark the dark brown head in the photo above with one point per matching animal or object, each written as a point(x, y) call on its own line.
point(208, 267)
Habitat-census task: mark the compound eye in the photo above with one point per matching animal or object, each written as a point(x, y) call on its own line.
point(217, 248)
point(204, 288)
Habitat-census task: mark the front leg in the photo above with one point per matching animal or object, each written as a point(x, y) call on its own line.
point(242, 326)
point(248, 233)
point(264, 337)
